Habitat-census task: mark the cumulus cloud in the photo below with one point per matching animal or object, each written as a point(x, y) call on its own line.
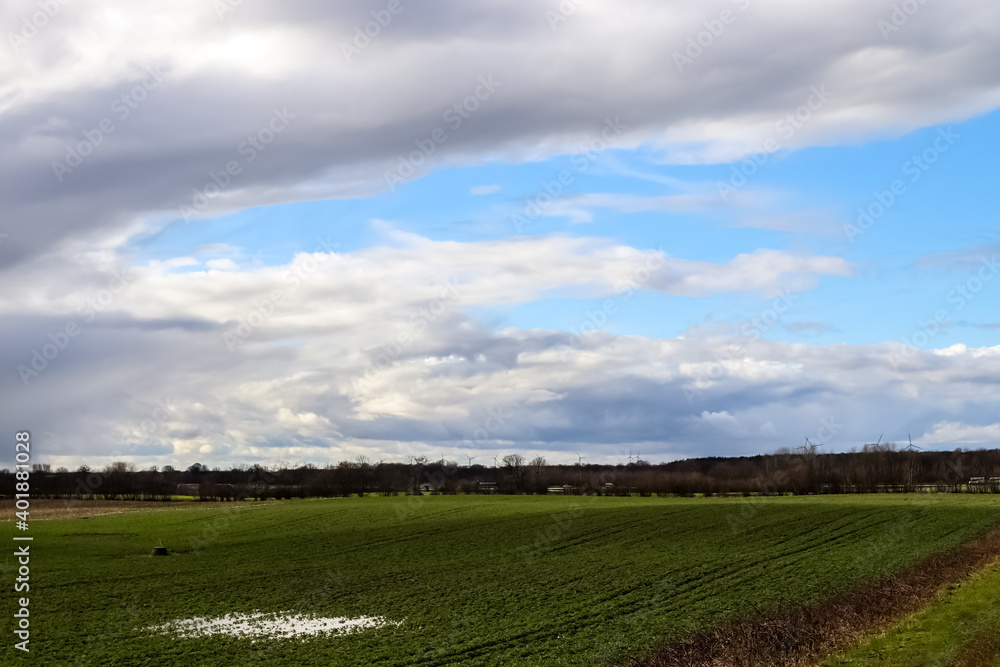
point(370, 284)
point(458, 388)
point(959, 433)
point(374, 352)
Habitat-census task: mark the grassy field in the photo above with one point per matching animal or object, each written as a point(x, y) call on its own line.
point(963, 627)
point(477, 580)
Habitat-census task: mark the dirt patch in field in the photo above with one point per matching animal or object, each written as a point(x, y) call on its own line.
point(42, 510)
point(804, 635)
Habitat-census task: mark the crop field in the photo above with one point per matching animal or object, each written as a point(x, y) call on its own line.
point(449, 580)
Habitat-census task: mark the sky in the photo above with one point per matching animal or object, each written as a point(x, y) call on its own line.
point(294, 232)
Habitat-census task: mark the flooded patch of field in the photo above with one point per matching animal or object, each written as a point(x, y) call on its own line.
point(270, 626)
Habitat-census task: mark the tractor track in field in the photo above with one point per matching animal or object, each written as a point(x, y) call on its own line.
point(803, 635)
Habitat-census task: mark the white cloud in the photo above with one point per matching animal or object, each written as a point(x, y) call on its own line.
point(514, 270)
point(224, 264)
point(370, 352)
point(948, 432)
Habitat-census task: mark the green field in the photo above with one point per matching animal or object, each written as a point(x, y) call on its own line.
point(968, 613)
point(477, 580)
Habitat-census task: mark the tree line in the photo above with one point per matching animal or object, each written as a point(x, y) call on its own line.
point(878, 468)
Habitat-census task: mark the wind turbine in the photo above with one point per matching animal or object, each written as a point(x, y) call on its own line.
point(495, 460)
point(579, 459)
point(471, 459)
point(630, 457)
point(911, 447)
point(809, 447)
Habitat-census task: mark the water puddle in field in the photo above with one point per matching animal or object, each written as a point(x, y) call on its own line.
point(271, 626)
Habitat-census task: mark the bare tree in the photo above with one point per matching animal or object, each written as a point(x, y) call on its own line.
point(536, 469)
point(514, 465)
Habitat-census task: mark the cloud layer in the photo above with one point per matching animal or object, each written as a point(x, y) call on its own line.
point(373, 351)
point(117, 120)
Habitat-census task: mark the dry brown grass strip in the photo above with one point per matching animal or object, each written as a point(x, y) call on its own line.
point(44, 508)
point(803, 635)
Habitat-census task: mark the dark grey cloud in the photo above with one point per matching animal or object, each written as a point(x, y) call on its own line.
point(176, 395)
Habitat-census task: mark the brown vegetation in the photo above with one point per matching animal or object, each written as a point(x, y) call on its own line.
point(42, 509)
point(803, 635)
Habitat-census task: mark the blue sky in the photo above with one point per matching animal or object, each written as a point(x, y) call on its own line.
point(945, 207)
point(561, 242)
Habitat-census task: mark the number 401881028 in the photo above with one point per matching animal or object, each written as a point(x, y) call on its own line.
point(22, 452)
